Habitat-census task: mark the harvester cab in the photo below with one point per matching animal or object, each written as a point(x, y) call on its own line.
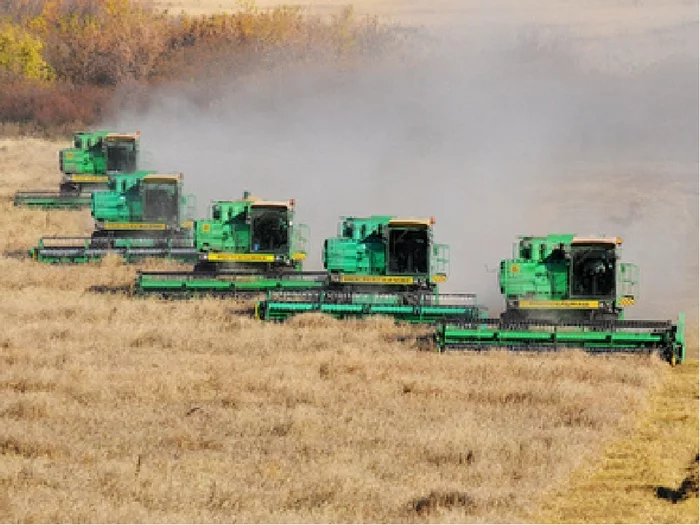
point(139, 216)
point(384, 251)
point(251, 233)
point(94, 157)
point(567, 277)
point(411, 250)
point(593, 268)
point(121, 152)
point(143, 204)
point(86, 168)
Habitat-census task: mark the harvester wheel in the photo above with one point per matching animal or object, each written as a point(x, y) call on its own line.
point(204, 266)
point(68, 188)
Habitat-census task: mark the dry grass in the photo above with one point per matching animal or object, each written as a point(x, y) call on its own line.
point(138, 411)
point(598, 16)
point(651, 477)
point(121, 410)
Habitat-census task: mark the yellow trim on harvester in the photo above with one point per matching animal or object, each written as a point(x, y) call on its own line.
point(133, 226)
point(376, 279)
point(187, 224)
point(559, 304)
point(298, 256)
point(439, 278)
point(626, 301)
point(240, 257)
point(88, 178)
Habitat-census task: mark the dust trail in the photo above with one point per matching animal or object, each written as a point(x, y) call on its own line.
point(497, 131)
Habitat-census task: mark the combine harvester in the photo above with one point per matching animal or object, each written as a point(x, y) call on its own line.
point(378, 265)
point(86, 168)
point(564, 291)
point(141, 215)
point(247, 245)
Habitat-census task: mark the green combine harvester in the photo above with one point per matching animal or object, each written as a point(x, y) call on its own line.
point(86, 168)
point(376, 265)
point(143, 214)
point(565, 291)
point(247, 245)
point(379, 265)
point(561, 291)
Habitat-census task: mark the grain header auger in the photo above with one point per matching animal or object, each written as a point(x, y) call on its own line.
point(86, 168)
point(566, 291)
point(375, 266)
point(143, 214)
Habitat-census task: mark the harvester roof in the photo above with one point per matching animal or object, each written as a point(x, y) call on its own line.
point(597, 240)
point(163, 177)
point(411, 223)
point(271, 204)
point(123, 136)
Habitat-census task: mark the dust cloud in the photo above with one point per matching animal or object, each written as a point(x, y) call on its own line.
point(496, 129)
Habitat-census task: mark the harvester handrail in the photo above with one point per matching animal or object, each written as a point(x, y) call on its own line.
point(612, 324)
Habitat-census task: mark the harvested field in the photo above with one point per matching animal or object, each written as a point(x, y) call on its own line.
point(650, 476)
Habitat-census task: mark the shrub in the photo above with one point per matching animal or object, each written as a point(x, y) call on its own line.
point(21, 55)
point(62, 61)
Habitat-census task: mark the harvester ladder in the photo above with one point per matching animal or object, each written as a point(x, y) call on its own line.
point(628, 280)
point(440, 259)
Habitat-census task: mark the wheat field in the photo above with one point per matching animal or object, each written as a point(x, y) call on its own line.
point(114, 409)
point(123, 410)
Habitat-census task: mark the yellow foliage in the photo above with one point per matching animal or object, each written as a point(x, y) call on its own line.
point(20, 54)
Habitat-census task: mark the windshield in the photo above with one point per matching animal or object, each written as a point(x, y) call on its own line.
point(121, 157)
point(269, 230)
point(593, 271)
point(161, 203)
point(408, 251)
